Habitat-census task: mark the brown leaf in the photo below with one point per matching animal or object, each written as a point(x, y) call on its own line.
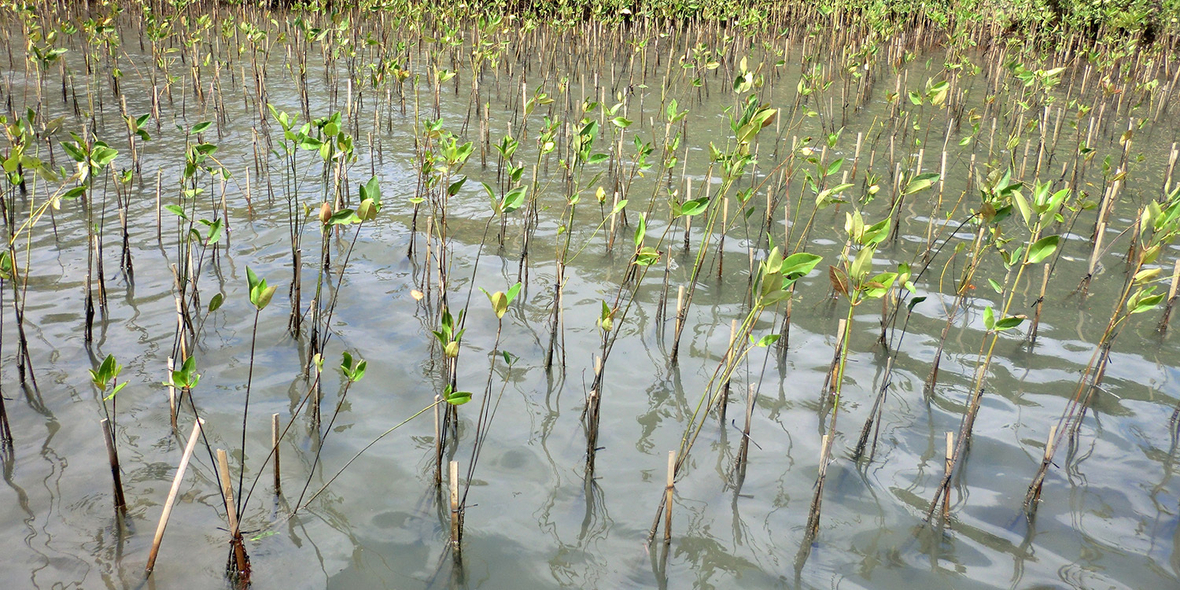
point(838, 279)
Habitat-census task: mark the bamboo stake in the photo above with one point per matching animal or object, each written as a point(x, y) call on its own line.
point(231, 512)
point(172, 493)
point(1046, 459)
point(172, 392)
point(1163, 327)
point(950, 455)
point(274, 437)
point(108, 436)
point(668, 496)
point(455, 515)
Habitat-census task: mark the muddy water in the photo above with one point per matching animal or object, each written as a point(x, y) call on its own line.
point(1108, 518)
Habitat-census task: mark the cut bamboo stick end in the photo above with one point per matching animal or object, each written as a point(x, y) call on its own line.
point(227, 491)
point(172, 402)
point(108, 436)
point(275, 433)
point(668, 496)
point(950, 455)
point(172, 493)
point(455, 516)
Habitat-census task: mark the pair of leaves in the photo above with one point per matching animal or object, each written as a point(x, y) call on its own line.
point(260, 293)
point(501, 300)
point(353, 371)
point(186, 376)
point(992, 324)
point(106, 372)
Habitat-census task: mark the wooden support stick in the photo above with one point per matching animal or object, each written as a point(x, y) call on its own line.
point(275, 432)
point(172, 493)
point(950, 455)
point(231, 512)
point(668, 496)
point(227, 490)
point(172, 402)
point(455, 516)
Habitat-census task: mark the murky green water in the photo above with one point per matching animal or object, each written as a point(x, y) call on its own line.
point(1108, 518)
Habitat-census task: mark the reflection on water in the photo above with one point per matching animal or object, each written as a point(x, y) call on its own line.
point(534, 519)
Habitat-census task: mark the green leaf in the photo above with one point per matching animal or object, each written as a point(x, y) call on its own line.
point(862, 265)
point(116, 390)
point(265, 296)
point(1022, 204)
point(694, 207)
point(513, 291)
point(215, 302)
point(640, 229)
point(200, 127)
point(914, 302)
point(1042, 249)
point(995, 286)
point(989, 318)
point(920, 182)
point(456, 398)
point(767, 340)
point(177, 211)
point(799, 264)
point(251, 278)
point(1008, 323)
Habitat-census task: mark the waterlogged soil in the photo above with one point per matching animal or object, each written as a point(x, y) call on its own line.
point(1108, 517)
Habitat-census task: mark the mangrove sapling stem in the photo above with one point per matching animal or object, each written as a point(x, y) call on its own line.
point(777, 275)
point(172, 493)
point(260, 296)
point(352, 373)
point(1160, 224)
point(500, 303)
point(1036, 214)
point(312, 388)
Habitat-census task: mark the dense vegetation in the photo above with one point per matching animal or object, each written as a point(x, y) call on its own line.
point(1148, 19)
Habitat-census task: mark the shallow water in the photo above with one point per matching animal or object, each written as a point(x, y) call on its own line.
point(1108, 518)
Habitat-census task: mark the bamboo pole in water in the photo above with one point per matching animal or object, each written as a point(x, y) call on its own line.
point(275, 433)
point(172, 402)
point(950, 463)
point(456, 527)
point(172, 493)
point(1163, 327)
point(1034, 492)
point(1036, 322)
point(231, 512)
point(108, 436)
point(668, 490)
